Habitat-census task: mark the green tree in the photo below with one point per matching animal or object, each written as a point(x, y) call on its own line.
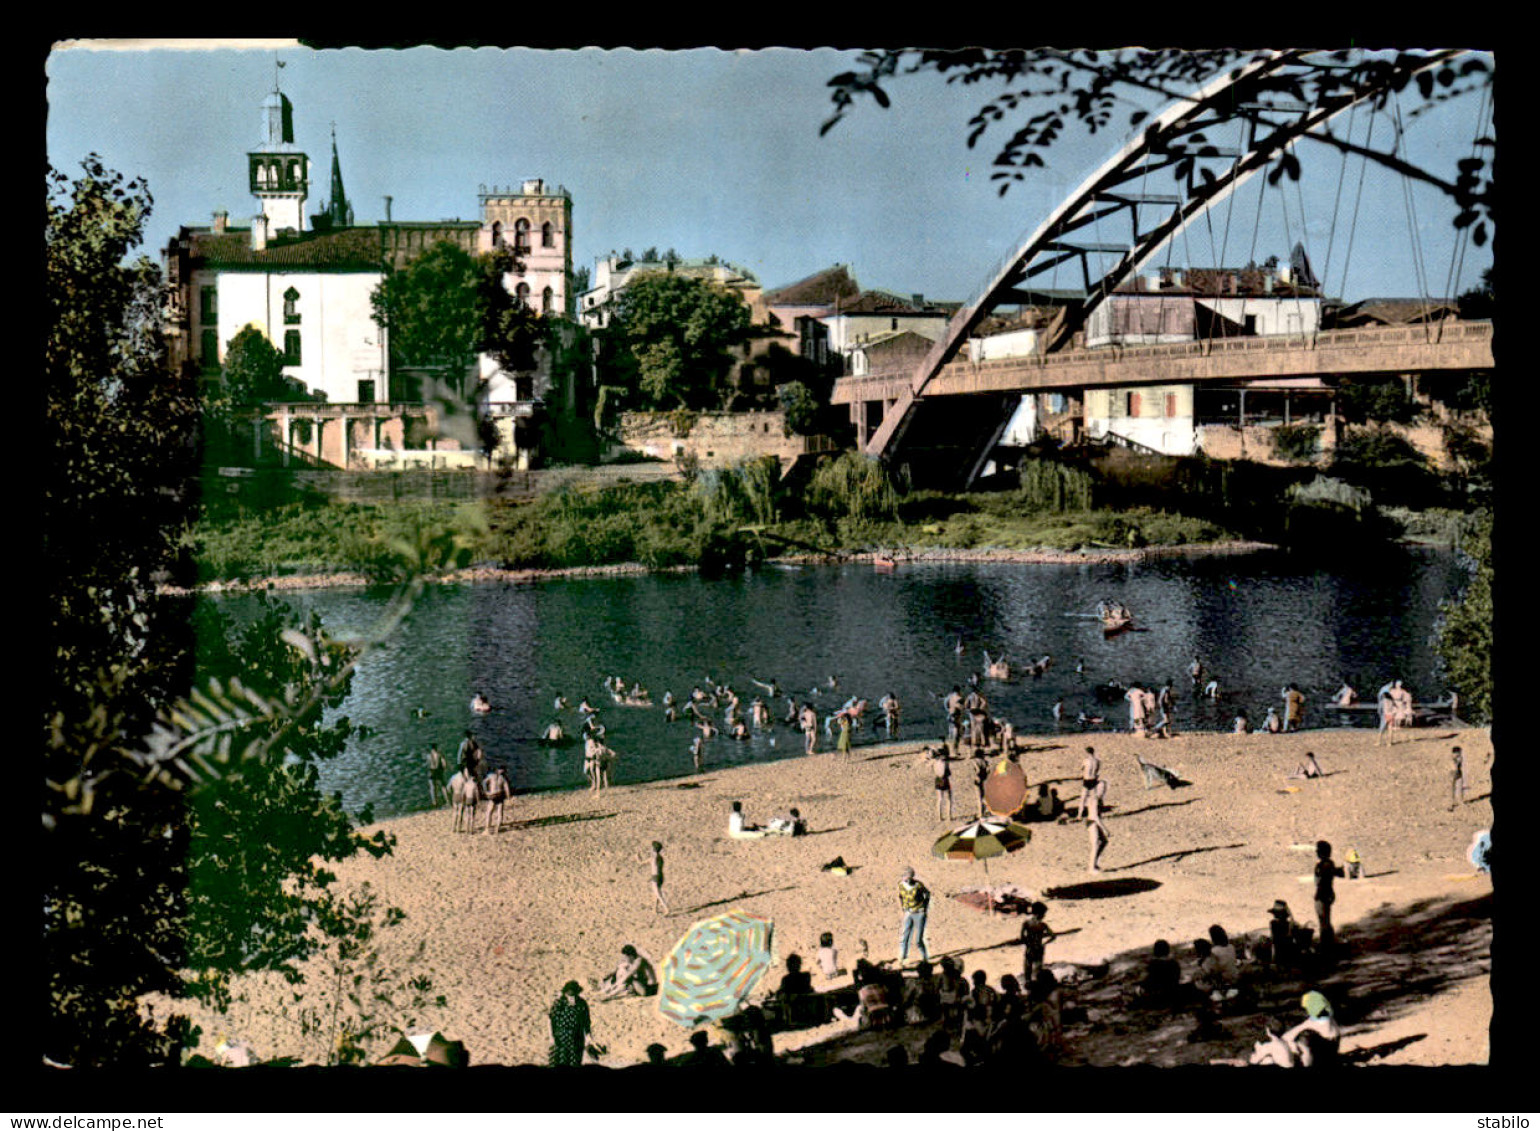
point(121, 455)
point(1464, 641)
point(447, 307)
point(800, 406)
point(254, 370)
point(432, 308)
point(1383, 400)
point(673, 334)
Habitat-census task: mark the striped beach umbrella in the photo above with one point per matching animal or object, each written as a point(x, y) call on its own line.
point(710, 971)
point(981, 840)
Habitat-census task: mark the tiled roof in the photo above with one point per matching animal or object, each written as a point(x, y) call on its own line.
point(880, 302)
point(1396, 311)
point(351, 249)
point(825, 287)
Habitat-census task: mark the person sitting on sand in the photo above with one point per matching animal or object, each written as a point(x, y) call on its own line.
point(787, 824)
point(1209, 975)
point(1225, 954)
point(1162, 981)
point(634, 977)
point(1283, 932)
point(1272, 724)
point(1309, 768)
point(702, 1053)
point(796, 982)
point(1272, 1048)
point(1317, 1040)
point(1242, 724)
point(1048, 804)
point(738, 826)
point(828, 958)
point(951, 990)
point(977, 1008)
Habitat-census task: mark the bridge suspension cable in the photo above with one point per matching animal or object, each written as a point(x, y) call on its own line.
point(1177, 139)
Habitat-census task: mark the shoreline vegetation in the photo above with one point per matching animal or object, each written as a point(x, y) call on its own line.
point(282, 532)
point(499, 574)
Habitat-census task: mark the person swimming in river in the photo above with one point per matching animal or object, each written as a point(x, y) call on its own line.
point(772, 688)
point(479, 704)
point(996, 667)
point(554, 735)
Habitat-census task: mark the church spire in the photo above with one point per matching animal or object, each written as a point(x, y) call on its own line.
point(338, 209)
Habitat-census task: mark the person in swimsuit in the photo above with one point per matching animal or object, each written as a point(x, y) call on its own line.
point(1090, 774)
point(438, 785)
point(1097, 830)
point(941, 769)
point(655, 859)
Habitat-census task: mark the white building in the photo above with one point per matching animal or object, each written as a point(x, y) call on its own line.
point(308, 287)
point(613, 274)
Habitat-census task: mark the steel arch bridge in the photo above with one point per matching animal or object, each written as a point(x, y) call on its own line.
point(1248, 95)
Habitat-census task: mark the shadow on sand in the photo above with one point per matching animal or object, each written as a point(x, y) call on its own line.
point(1392, 960)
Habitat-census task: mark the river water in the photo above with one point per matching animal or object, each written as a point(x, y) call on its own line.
point(1256, 622)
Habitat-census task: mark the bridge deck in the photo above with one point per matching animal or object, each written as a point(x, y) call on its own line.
point(1394, 349)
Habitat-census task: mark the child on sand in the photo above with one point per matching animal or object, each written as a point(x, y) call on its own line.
point(828, 958)
point(1035, 934)
point(1309, 768)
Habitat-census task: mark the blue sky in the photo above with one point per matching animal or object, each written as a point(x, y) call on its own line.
point(704, 151)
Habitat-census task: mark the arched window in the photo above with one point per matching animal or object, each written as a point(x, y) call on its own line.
point(497, 233)
point(547, 300)
point(291, 350)
point(290, 306)
point(521, 292)
point(521, 235)
point(547, 235)
point(294, 177)
point(274, 174)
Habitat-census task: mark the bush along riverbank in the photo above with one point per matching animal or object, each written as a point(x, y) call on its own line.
point(726, 519)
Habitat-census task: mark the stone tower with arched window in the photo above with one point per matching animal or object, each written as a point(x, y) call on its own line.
point(534, 221)
point(279, 171)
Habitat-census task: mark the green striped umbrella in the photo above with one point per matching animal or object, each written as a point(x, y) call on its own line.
point(710, 971)
point(981, 840)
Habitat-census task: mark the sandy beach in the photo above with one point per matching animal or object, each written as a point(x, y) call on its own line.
point(504, 920)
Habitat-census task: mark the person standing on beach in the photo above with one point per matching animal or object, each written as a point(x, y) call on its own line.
point(438, 785)
point(1383, 699)
point(1457, 783)
point(914, 901)
point(842, 745)
point(470, 756)
point(1090, 776)
point(655, 859)
point(810, 729)
point(698, 752)
point(1035, 934)
point(1326, 872)
point(1096, 829)
point(570, 1026)
point(1293, 708)
point(941, 768)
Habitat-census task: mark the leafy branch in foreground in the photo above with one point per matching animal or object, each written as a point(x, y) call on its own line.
point(1049, 91)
